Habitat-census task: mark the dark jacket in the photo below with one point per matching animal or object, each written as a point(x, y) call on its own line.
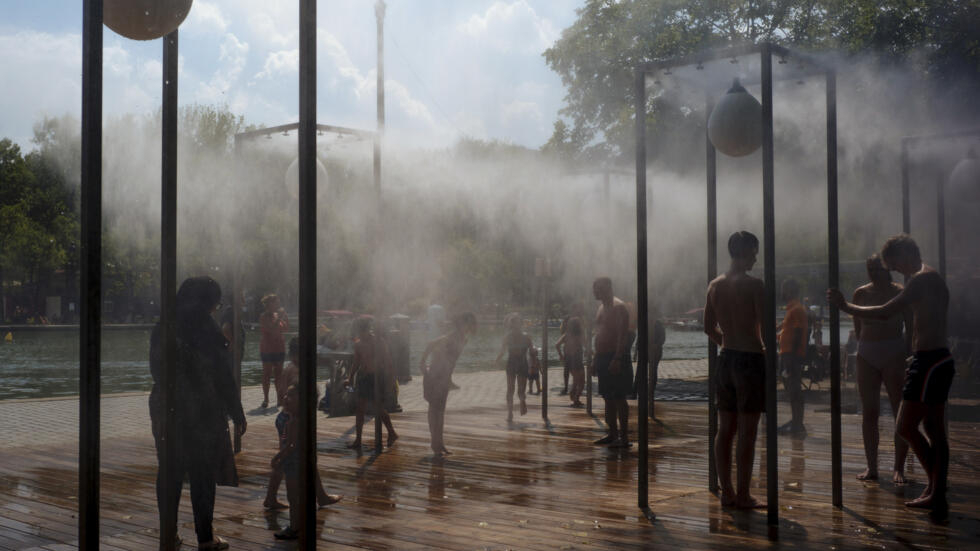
point(207, 395)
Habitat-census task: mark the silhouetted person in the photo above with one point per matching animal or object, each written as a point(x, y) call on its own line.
point(732, 316)
point(658, 336)
point(612, 362)
point(208, 397)
point(290, 378)
point(930, 370)
point(792, 351)
point(571, 347)
point(881, 351)
point(372, 361)
point(436, 375)
point(272, 346)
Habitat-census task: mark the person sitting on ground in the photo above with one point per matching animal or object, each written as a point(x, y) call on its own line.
point(371, 362)
point(570, 351)
point(517, 345)
point(612, 362)
point(732, 319)
point(881, 352)
point(290, 376)
point(929, 372)
point(792, 351)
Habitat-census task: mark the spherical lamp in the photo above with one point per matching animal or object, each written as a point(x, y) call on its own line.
point(292, 177)
point(964, 181)
point(735, 124)
point(144, 19)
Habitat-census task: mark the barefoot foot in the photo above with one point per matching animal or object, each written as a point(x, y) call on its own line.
point(749, 503)
point(727, 500)
point(356, 444)
point(868, 474)
point(328, 499)
point(391, 439)
point(898, 478)
point(273, 504)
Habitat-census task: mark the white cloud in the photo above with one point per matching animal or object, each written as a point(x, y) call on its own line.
point(233, 54)
point(518, 110)
point(510, 27)
point(282, 62)
point(205, 17)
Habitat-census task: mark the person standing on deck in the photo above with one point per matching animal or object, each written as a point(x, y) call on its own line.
point(209, 396)
point(272, 346)
point(612, 362)
point(371, 358)
point(880, 357)
point(929, 372)
point(792, 350)
point(436, 375)
point(570, 347)
point(732, 319)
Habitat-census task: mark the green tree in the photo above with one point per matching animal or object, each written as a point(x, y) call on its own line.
point(596, 55)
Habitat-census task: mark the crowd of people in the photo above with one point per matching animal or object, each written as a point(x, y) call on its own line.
point(891, 322)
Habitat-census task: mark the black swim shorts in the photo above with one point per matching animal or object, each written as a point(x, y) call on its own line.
point(741, 381)
point(929, 376)
point(365, 386)
point(613, 385)
point(273, 357)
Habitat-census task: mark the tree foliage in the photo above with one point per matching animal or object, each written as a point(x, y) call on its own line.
point(596, 55)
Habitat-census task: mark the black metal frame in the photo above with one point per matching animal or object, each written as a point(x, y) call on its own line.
point(90, 291)
point(810, 67)
point(908, 142)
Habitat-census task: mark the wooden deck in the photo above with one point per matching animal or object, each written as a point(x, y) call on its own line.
point(526, 486)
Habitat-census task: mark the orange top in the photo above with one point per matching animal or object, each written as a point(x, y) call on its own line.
point(795, 319)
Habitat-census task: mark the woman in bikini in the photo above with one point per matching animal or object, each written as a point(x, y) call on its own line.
point(517, 345)
point(272, 346)
point(437, 374)
point(881, 353)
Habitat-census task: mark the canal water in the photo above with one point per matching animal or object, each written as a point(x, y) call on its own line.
point(44, 363)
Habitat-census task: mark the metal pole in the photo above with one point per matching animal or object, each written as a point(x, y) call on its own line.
point(168, 290)
point(90, 299)
point(769, 315)
point(906, 211)
point(379, 13)
point(712, 207)
point(236, 318)
point(587, 323)
point(643, 302)
point(544, 341)
point(833, 279)
point(307, 271)
point(941, 221)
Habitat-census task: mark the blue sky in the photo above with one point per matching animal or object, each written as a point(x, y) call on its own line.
point(460, 67)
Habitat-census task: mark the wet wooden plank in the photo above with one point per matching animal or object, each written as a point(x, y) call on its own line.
point(525, 485)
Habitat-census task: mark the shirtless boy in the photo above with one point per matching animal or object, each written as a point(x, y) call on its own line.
point(370, 356)
point(930, 371)
point(612, 362)
point(732, 319)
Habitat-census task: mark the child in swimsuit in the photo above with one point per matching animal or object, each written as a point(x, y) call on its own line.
point(517, 346)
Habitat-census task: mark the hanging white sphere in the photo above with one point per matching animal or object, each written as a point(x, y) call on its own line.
point(964, 181)
point(735, 124)
point(144, 19)
point(292, 177)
